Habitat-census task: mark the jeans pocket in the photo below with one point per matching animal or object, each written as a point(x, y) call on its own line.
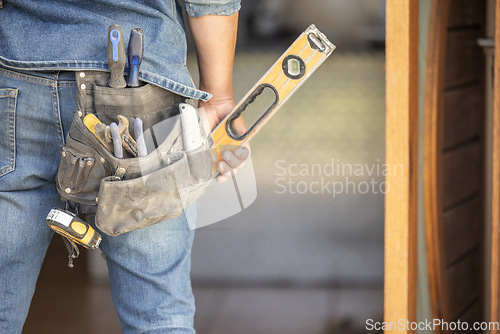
point(8, 100)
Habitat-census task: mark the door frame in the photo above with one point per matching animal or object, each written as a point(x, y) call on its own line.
point(400, 279)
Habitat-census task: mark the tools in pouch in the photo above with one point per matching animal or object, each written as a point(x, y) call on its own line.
point(135, 54)
point(116, 56)
point(114, 137)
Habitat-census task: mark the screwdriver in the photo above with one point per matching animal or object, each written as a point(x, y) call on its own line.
point(135, 54)
point(116, 56)
point(139, 138)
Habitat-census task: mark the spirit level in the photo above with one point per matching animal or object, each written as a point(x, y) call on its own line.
point(291, 70)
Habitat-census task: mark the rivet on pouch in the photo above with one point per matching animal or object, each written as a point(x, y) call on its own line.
point(82, 75)
point(102, 160)
point(67, 190)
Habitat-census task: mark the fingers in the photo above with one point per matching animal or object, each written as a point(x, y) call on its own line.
point(224, 168)
point(235, 158)
point(225, 171)
point(242, 153)
point(231, 161)
point(221, 178)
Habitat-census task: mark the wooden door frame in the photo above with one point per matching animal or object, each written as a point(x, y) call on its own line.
point(433, 143)
point(495, 191)
point(400, 279)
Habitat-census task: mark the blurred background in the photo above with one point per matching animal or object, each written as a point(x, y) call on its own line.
point(299, 259)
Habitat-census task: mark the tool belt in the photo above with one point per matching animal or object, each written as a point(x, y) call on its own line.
point(130, 193)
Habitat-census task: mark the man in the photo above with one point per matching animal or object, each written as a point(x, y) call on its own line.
point(42, 44)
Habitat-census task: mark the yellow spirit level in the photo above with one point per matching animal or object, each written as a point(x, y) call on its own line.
point(70, 226)
point(291, 70)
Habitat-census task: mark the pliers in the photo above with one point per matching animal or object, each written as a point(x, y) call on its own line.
point(126, 140)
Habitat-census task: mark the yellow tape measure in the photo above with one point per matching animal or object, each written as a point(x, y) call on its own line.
point(70, 226)
point(291, 70)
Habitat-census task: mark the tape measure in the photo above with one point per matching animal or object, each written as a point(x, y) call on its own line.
point(289, 72)
point(70, 226)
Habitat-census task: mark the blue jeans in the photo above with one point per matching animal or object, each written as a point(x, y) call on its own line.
point(149, 268)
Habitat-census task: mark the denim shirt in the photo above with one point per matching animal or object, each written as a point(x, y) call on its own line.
point(72, 35)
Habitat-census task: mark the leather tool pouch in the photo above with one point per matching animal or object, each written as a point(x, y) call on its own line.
point(131, 193)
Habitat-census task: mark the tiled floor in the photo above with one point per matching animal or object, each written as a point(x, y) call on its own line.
point(66, 302)
point(286, 310)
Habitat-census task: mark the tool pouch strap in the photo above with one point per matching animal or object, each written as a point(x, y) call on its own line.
point(128, 194)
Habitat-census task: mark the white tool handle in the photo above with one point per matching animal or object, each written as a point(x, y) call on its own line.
point(191, 133)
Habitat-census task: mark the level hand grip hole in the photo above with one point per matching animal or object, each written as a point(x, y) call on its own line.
point(268, 98)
